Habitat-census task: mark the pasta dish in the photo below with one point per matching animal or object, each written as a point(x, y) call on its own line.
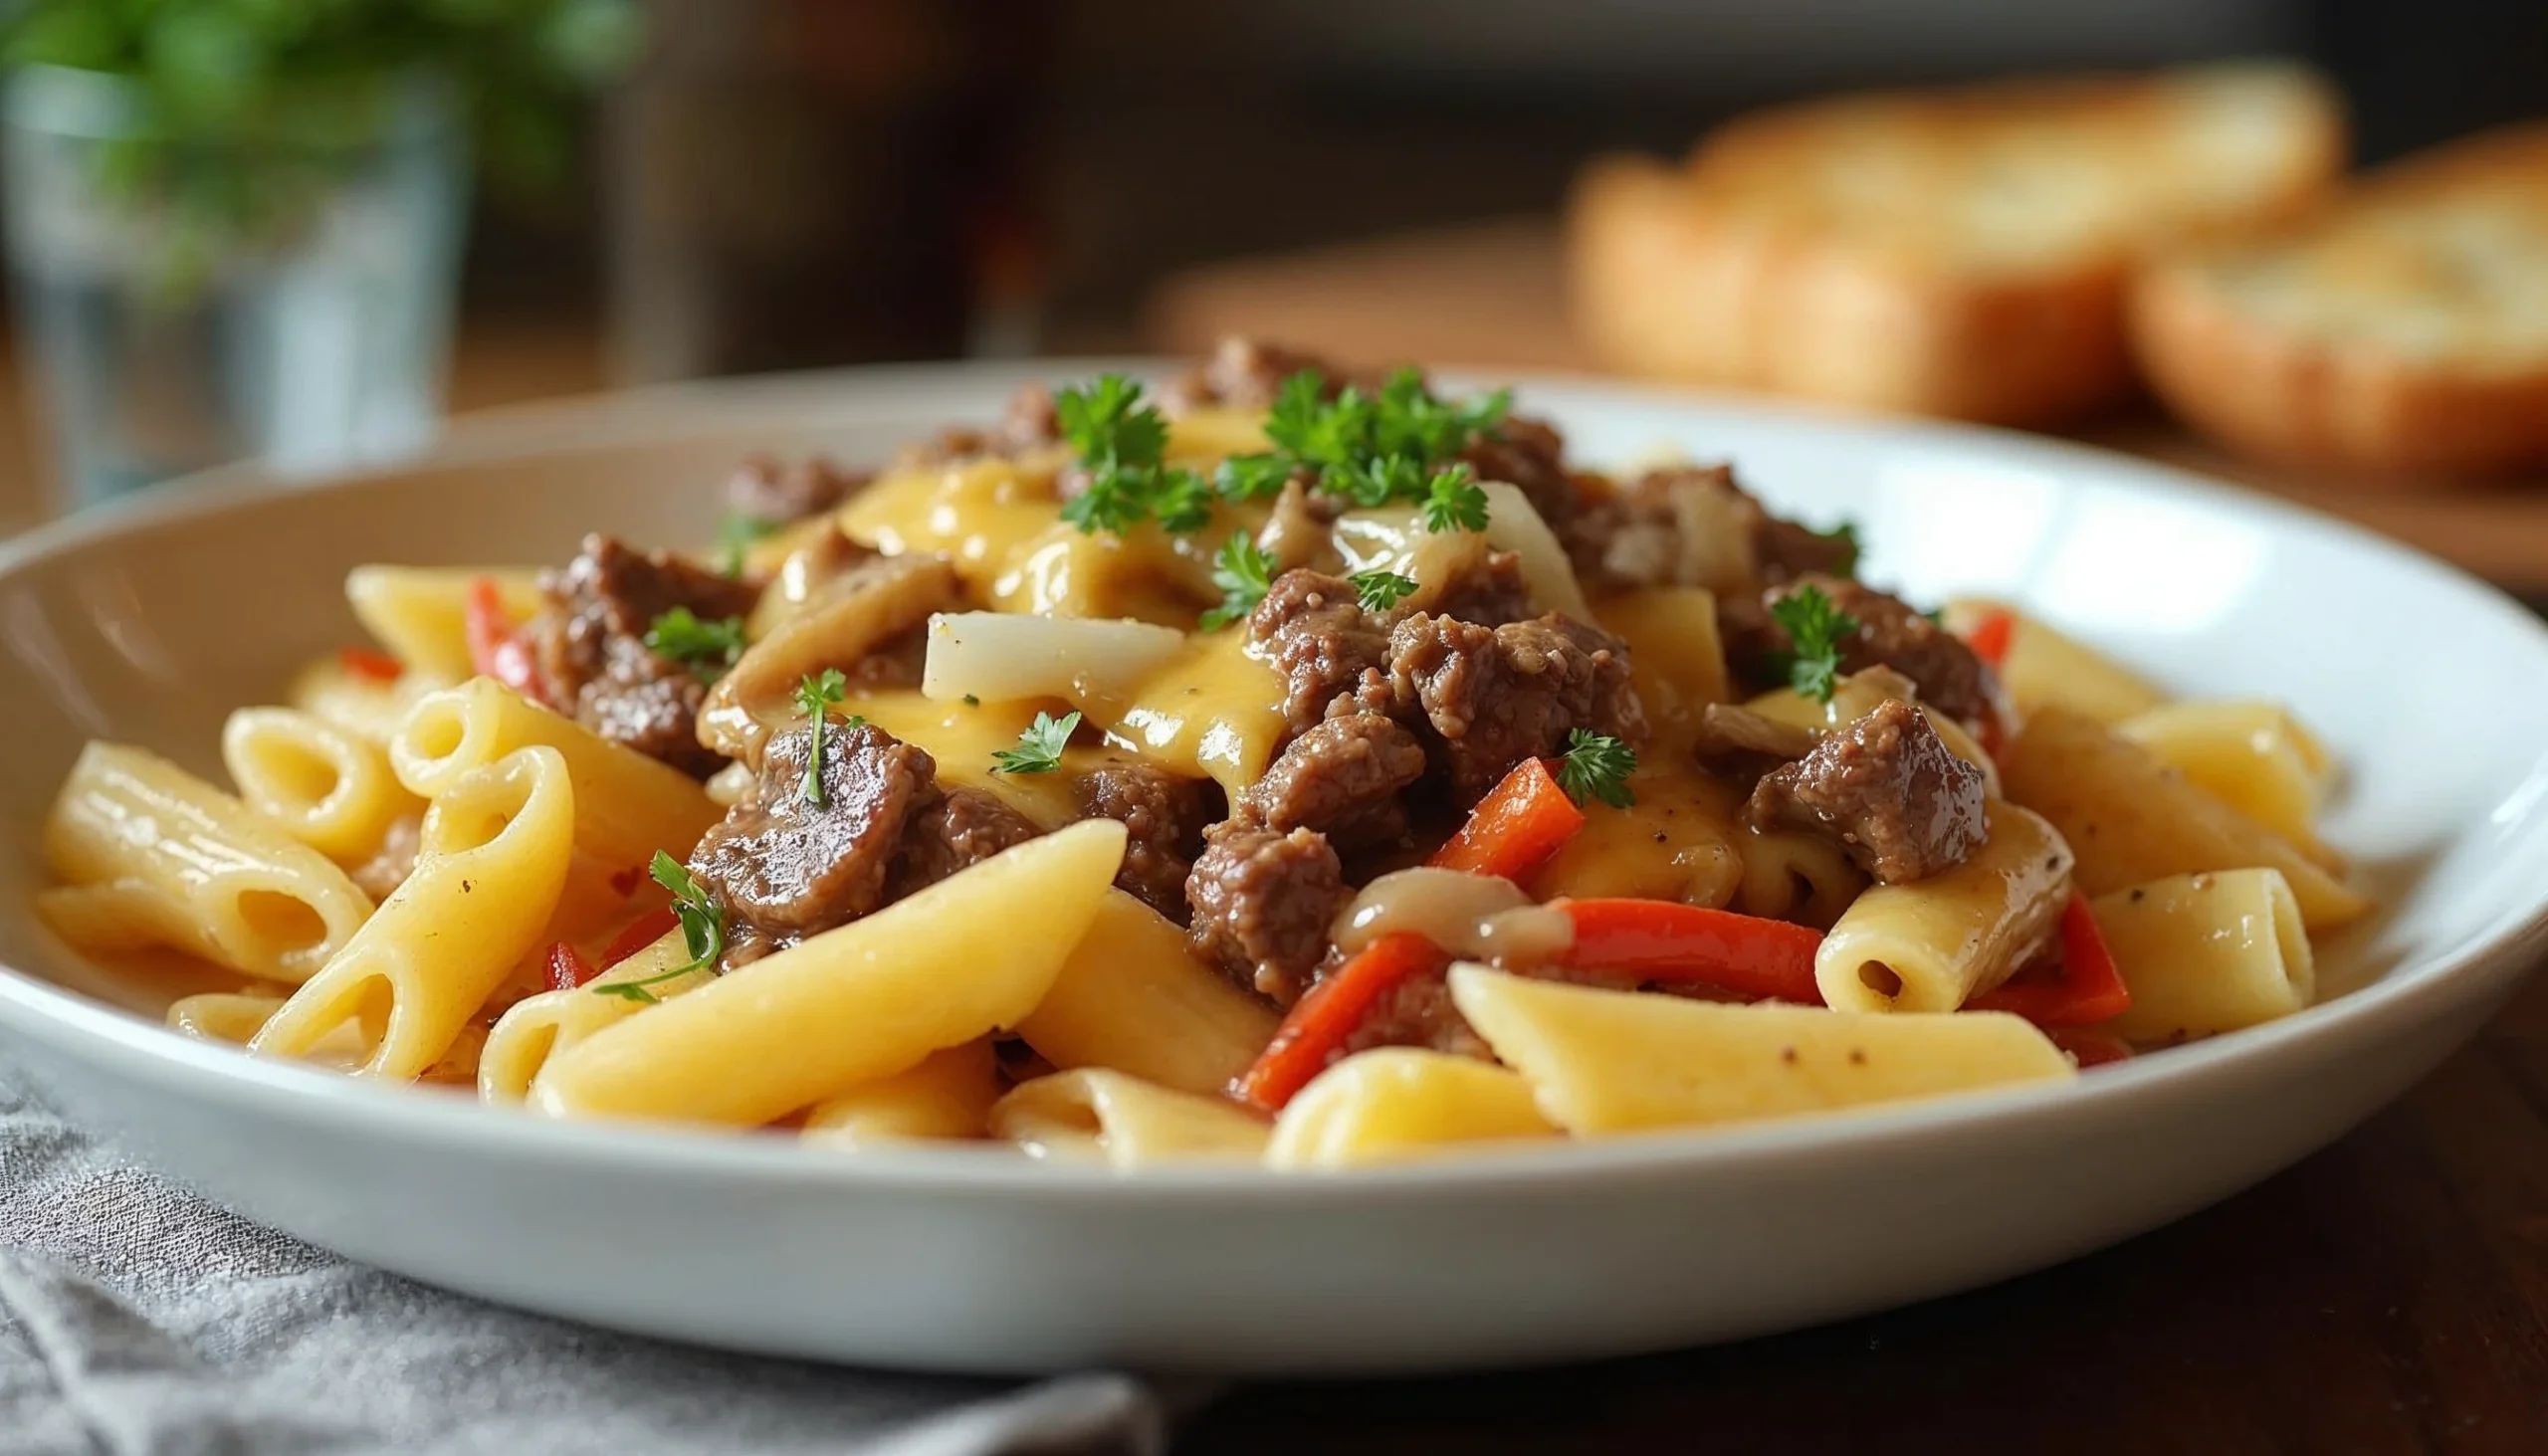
point(1277, 764)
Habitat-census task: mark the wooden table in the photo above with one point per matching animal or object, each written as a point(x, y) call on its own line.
point(2388, 1295)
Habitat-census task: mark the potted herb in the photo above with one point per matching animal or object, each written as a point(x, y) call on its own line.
point(234, 226)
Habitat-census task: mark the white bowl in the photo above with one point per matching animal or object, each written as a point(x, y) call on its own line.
point(150, 622)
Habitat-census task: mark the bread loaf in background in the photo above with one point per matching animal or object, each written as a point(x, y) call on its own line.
point(1961, 253)
point(2402, 328)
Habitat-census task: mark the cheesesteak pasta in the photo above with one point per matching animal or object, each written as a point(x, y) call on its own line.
point(1283, 766)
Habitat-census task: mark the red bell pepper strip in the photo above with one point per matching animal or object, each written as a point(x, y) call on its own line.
point(2089, 1046)
point(568, 968)
point(494, 650)
point(1991, 635)
point(2090, 990)
point(642, 931)
point(1666, 941)
point(1519, 823)
point(1318, 1025)
point(370, 664)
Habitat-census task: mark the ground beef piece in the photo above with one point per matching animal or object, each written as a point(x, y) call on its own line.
point(1244, 374)
point(1417, 1012)
point(1028, 423)
point(1891, 633)
point(593, 658)
point(1744, 744)
point(1262, 902)
point(1344, 778)
point(1497, 696)
point(952, 830)
point(775, 494)
point(1529, 454)
point(785, 868)
point(1163, 816)
point(1313, 628)
point(1693, 526)
point(1486, 588)
point(1885, 789)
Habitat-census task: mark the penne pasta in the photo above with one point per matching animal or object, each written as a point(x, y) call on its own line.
point(948, 1095)
point(420, 612)
point(367, 707)
point(327, 786)
point(489, 871)
point(1934, 943)
point(866, 1000)
point(538, 1027)
point(1131, 996)
point(2253, 756)
point(1605, 1062)
point(1396, 1104)
point(155, 856)
point(233, 1017)
point(2206, 954)
point(1671, 632)
point(2041, 668)
point(1132, 1122)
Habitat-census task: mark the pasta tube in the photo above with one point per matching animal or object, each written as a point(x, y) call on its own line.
point(2206, 954)
point(1131, 996)
point(224, 1016)
point(329, 787)
point(1135, 1123)
point(948, 1095)
point(627, 805)
point(2041, 668)
point(155, 856)
point(2133, 819)
point(363, 706)
point(1933, 943)
point(489, 871)
point(420, 613)
point(1393, 1104)
point(2254, 757)
point(1604, 1062)
point(866, 1000)
point(536, 1028)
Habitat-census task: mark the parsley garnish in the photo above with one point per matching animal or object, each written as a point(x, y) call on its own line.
point(1846, 536)
point(1596, 766)
point(1040, 748)
point(1244, 572)
point(814, 697)
point(735, 535)
point(1816, 627)
point(1380, 591)
point(708, 648)
point(703, 931)
point(1454, 502)
point(1120, 441)
point(1372, 449)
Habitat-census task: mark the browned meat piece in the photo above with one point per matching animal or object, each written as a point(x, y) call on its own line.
point(1486, 588)
point(951, 831)
point(767, 491)
point(1891, 633)
point(1743, 744)
point(1244, 374)
point(1341, 778)
point(1163, 814)
point(1500, 695)
point(1028, 423)
point(1313, 628)
point(1262, 902)
point(1418, 1013)
point(1693, 526)
point(593, 658)
point(787, 868)
point(1530, 454)
point(1885, 789)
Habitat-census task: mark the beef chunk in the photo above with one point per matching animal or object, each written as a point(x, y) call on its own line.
point(953, 830)
point(1693, 526)
point(1344, 778)
point(1417, 1012)
point(1500, 695)
point(1891, 633)
point(1885, 789)
point(767, 491)
point(1245, 374)
point(1313, 628)
point(1486, 588)
point(1163, 816)
point(1529, 454)
point(593, 658)
point(1028, 423)
point(787, 868)
point(1262, 902)
point(1744, 744)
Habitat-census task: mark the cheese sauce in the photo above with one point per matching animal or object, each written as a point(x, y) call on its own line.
point(1473, 916)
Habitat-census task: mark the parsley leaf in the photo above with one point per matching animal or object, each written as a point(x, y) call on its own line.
point(814, 697)
point(1252, 477)
point(1846, 536)
point(1181, 500)
point(1120, 442)
point(1039, 748)
point(1112, 502)
point(708, 648)
point(1454, 502)
point(703, 931)
point(1244, 572)
point(1596, 766)
point(1816, 627)
point(1372, 447)
point(734, 536)
point(1380, 591)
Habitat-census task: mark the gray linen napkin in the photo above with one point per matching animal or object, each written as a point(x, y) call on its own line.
point(138, 1319)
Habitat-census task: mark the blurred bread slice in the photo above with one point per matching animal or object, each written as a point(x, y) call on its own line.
point(1961, 252)
point(2404, 328)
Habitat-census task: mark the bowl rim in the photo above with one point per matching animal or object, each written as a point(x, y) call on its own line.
point(2412, 994)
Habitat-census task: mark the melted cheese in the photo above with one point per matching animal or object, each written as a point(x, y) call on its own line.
point(1676, 842)
point(980, 513)
point(1214, 713)
point(1148, 574)
point(1200, 438)
point(962, 736)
